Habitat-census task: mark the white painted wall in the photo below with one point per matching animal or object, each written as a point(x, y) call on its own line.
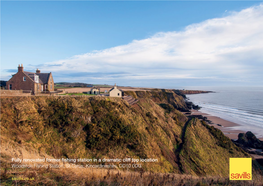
point(115, 92)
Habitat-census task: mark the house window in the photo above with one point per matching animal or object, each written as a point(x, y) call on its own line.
point(118, 94)
point(10, 87)
point(51, 87)
point(37, 86)
point(24, 78)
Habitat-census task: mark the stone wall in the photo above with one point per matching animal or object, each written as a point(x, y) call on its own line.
point(14, 93)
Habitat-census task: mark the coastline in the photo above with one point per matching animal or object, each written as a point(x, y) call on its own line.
point(222, 124)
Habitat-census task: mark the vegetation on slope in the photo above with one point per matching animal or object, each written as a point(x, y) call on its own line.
point(207, 151)
point(97, 127)
point(172, 98)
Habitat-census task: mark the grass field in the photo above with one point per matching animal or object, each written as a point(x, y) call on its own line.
point(64, 87)
point(61, 87)
point(78, 94)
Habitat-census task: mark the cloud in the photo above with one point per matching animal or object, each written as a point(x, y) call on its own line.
point(226, 48)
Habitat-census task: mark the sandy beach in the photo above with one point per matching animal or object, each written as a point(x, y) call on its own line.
point(223, 125)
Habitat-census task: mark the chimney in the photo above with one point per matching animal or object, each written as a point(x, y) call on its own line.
point(37, 71)
point(20, 68)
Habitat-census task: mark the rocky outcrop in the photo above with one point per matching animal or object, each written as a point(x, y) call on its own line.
point(249, 142)
point(190, 105)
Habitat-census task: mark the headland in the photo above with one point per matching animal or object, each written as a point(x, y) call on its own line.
point(101, 127)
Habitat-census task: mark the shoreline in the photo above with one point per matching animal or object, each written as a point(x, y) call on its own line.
point(222, 124)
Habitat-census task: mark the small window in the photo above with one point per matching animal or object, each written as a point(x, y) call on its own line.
point(10, 87)
point(51, 87)
point(118, 94)
point(24, 78)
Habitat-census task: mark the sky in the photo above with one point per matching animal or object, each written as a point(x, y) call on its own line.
point(161, 44)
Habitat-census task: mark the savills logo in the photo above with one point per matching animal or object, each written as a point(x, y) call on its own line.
point(237, 176)
point(240, 169)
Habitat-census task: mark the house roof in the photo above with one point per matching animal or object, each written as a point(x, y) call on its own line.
point(43, 77)
point(113, 88)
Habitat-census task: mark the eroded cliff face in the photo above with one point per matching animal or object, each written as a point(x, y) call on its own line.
point(97, 127)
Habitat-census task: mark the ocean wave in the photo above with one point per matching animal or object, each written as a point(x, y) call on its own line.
point(236, 114)
point(243, 106)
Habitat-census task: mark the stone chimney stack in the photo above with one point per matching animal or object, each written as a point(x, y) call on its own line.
point(20, 68)
point(37, 71)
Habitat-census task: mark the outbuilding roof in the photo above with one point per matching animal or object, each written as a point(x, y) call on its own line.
point(114, 88)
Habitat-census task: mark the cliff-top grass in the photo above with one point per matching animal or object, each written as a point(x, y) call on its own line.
point(102, 127)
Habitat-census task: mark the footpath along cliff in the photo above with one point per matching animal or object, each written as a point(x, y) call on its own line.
point(110, 128)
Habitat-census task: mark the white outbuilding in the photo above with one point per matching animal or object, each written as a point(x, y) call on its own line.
point(115, 92)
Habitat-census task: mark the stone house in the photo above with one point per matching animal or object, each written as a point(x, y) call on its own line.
point(115, 92)
point(29, 81)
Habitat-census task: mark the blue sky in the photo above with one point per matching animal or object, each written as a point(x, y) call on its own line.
point(150, 43)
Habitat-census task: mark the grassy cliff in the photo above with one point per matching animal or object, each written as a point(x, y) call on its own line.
point(99, 127)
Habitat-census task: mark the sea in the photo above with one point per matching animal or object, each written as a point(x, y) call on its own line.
point(241, 105)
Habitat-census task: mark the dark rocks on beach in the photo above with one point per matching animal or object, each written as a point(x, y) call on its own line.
point(190, 105)
point(209, 121)
point(250, 140)
point(196, 107)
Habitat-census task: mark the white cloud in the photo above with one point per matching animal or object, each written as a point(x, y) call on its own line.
point(227, 47)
